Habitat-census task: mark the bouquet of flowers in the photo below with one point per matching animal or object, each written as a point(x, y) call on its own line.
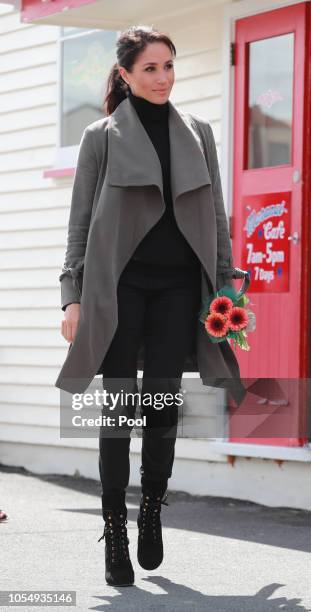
point(224, 315)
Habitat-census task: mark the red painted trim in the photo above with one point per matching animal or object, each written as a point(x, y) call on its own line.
point(32, 10)
point(58, 172)
point(305, 354)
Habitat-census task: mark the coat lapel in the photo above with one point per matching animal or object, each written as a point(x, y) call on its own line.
point(133, 160)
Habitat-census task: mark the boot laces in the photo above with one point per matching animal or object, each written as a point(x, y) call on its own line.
point(150, 516)
point(115, 533)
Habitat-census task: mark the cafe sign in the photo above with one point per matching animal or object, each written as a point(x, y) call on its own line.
point(265, 244)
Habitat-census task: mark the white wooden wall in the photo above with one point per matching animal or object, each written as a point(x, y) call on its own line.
point(198, 64)
point(33, 217)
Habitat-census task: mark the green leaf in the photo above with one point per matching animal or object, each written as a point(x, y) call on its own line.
point(229, 291)
point(241, 339)
point(242, 301)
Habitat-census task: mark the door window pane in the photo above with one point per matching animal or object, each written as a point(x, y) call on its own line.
point(270, 98)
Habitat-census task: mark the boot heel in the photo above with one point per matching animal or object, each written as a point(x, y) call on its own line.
point(118, 566)
point(150, 543)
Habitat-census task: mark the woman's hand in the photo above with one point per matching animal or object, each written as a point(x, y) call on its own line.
point(70, 322)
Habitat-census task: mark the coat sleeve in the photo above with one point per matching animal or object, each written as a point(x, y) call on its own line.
point(84, 186)
point(224, 250)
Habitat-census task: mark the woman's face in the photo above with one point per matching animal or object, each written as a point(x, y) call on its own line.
point(152, 75)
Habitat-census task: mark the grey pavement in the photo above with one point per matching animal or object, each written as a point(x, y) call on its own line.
point(221, 555)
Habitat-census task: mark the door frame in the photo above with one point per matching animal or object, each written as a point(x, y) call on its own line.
point(231, 13)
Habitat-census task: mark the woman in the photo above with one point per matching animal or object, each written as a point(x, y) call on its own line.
point(133, 167)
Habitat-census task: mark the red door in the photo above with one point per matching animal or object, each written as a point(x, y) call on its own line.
point(271, 217)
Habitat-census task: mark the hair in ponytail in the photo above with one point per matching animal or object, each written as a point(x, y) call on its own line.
point(130, 43)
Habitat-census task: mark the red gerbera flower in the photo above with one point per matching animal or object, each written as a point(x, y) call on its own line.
point(216, 324)
point(238, 318)
point(223, 305)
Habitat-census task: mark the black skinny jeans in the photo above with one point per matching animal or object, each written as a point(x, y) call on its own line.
point(161, 305)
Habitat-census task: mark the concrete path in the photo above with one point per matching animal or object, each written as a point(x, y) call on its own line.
point(221, 555)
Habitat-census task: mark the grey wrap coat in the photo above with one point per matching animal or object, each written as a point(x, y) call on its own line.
point(117, 198)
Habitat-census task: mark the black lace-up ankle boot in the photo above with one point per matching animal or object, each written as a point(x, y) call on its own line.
point(119, 569)
point(150, 543)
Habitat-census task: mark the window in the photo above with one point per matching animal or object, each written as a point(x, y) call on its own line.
point(85, 59)
point(271, 72)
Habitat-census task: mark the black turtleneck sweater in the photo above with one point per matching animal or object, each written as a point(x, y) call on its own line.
point(164, 244)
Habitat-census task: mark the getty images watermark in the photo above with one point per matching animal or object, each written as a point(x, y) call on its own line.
point(271, 408)
point(120, 406)
point(121, 399)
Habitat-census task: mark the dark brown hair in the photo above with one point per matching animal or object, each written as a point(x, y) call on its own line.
point(130, 43)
